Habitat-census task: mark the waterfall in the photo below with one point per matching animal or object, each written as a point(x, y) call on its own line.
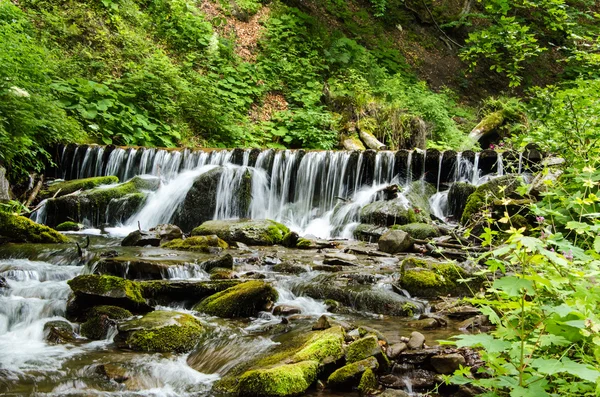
point(500, 164)
point(475, 176)
point(408, 167)
point(439, 175)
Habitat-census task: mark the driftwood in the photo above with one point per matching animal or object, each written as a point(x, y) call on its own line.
point(35, 191)
point(370, 141)
point(488, 124)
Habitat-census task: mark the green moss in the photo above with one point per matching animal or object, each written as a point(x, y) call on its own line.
point(496, 188)
point(96, 326)
point(20, 229)
point(196, 243)
point(350, 374)
point(368, 383)
point(419, 231)
point(252, 232)
point(475, 203)
point(430, 279)
point(110, 286)
point(219, 273)
point(69, 226)
point(243, 300)
point(281, 381)
point(161, 331)
point(304, 243)
point(180, 290)
point(68, 187)
point(327, 343)
point(363, 348)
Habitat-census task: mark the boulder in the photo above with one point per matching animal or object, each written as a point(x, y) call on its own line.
point(395, 241)
point(340, 259)
point(69, 227)
point(19, 229)
point(93, 205)
point(350, 375)
point(167, 232)
point(457, 198)
point(145, 269)
point(204, 243)
point(243, 300)
point(222, 262)
point(114, 372)
point(169, 291)
point(446, 364)
point(100, 319)
point(364, 348)
point(59, 332)
point(416, 340)
point(419, 231)
point(139, 238)
point(64, 188)
point(394, 350)
point(251, 232)
point(424, 278)
point(368, 384)
point(280, 381)
point(120, 209)
point(392, 212)
point(160, 331)
point(290, 240)
point(93, 290)
point(369, 233)
point(497, 188)
point(321, 324)
point(3, 282)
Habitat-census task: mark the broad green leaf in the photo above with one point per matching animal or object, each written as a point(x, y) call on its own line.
point(513, 286)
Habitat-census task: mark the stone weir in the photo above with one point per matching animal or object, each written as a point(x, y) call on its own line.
point(365, 167)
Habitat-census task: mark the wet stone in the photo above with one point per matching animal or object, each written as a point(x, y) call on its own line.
point(340, 259)
point(426, 324)
point(395, 241)
point(447, 363)
point(59, 332)
point(394, 350)
point(141, 239)
point(394, 393)
point(286, 310)
point(416, 340)
point(321, 324)
point(113, 372)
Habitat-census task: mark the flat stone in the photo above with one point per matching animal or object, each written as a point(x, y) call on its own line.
point(416, 340)
point(286, 310)
point(447, 363)
point(425, 324)
point(340, 259)
point(394, 350)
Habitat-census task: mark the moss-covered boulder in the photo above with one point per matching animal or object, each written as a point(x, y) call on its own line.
point(251, 232)
point(93, 204)
point(141, 238)
point(203, 243)
point(280, 381)
point(350, 375)
point(100, 319)
point(428, 279)
point(221, 273)
point(186, 291)
point(364, 348)
point(160, 331)
point(368, 384)
point(288, 370)
point(420, 231)
point(19, 229)
point(93, 290)
point(69, 227)
point(243, 300)
point(484, 196)
point(392, 212)
point(63, 188)
point(59, 332)
point(458, 195)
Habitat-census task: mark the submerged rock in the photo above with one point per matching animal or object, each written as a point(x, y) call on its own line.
point(94, 290)
point(243, 300)
point(19, 229)
point(204, 243)
point(59, 332)
point(395, 241)
point(251, 232)
point(100, 319)
point(160, 331)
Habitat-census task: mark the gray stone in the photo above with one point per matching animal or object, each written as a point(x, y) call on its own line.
point(286, 310)
point(416, 340)
point(394, 350)
point(4, 186)
point(447, 363)
point(395, 241)
point(139, 238)
point(59, 332)
point(321, 324)
point(340, 259)
point(394, 393)
point(167, 232)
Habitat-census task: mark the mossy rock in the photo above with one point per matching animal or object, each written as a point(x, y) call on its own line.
point(318, 347)
point(251, 232)
point(418, 194)
point(19, 229)
point(67, 187)
point(160, 331)
point(169, 291)
point(289, 268)
point(364, 348)
point(280, 381)
point(94, 290)
point(420, 231)
point(368, 384)
point(458, 195)
point(483, 197)
point(304, 243)
point(93, 204)
point(370, 233)
point(59, 332)
point(243, 300)
point(350, 375)
point(69, 227)
point(220, 273)
point(428, 279)
point(100, 319)
point(197, 243)
point(392, 212)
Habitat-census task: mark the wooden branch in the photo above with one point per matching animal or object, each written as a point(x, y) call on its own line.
point(35, 191)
